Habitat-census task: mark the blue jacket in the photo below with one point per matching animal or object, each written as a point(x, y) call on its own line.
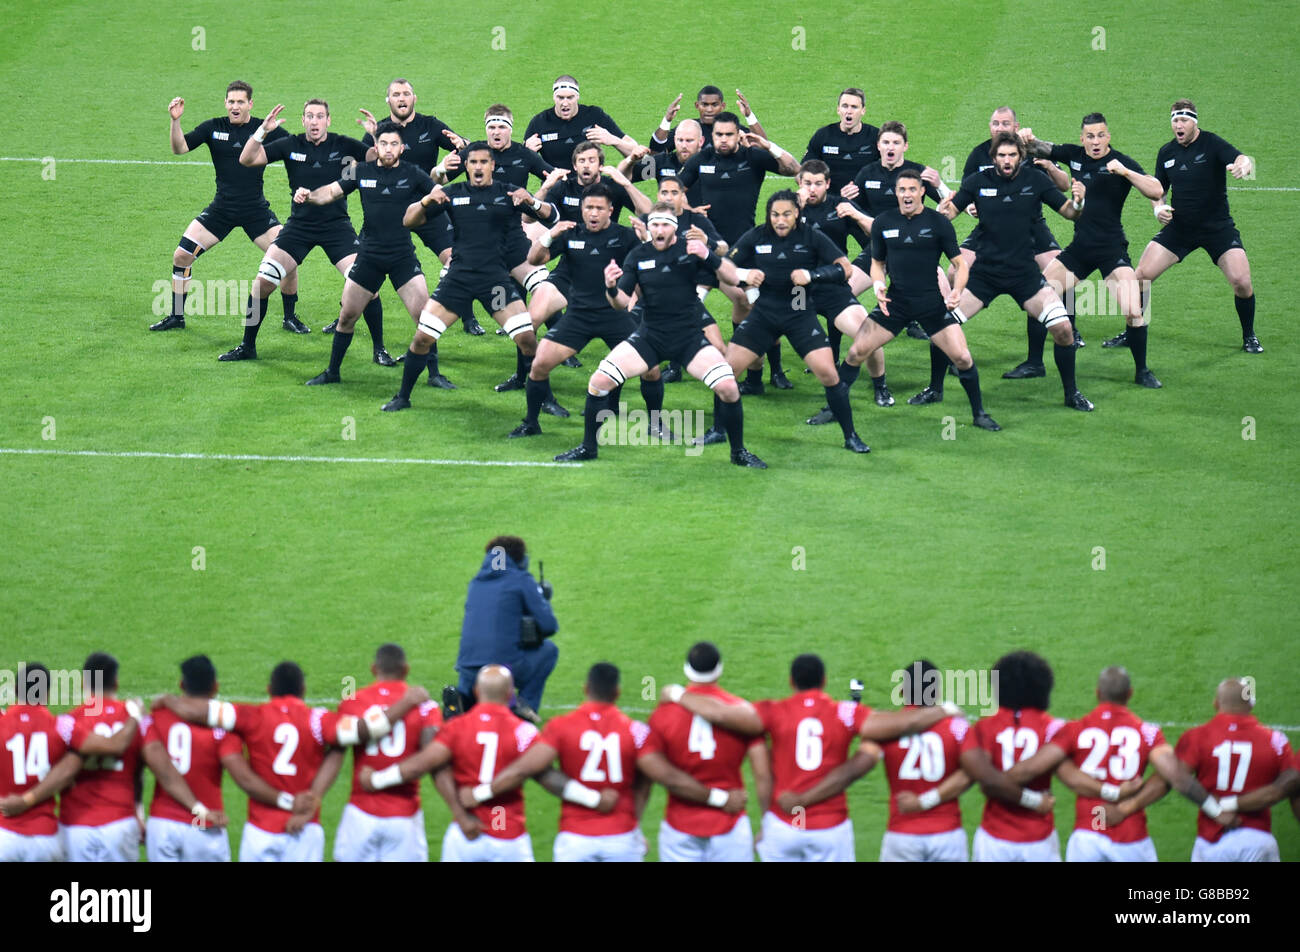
point(496, 600)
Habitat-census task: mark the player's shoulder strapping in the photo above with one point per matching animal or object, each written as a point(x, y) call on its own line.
point(316, 723)
point(525, 734)
point(957, 727)
point(846, 711)
point(1149, 732)
point(1054, 726)
point(640, 733)
point(1277, 740)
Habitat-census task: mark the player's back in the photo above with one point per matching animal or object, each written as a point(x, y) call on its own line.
point(286, 744)
point(398, 744)
point(104, 790)
point(919, 762)
point(28, 733)
point(811, 734)
point(709, 754)
point(597, 745)
point(483, 742)
point(1110, 744)
point(196, 753)
point(1234, 754)
point(1010, 736)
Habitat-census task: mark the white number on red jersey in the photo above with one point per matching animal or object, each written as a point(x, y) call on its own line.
point(34, 763)
point(180, 747)
point(1013, 739)
point(700, 740)
point(286, 735)
point(606, 746)
point(1123, 764)
point(1224, 753)
point(487, 767)
point(924, 759)
point(808, 744)
point(392, 744)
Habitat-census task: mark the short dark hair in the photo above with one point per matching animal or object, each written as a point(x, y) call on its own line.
point(103, 664)
point(1006, 138)
point(513, 546)
point(390, 660)
point(498, 109)
point(894, 126)
point(586, 146)
point(851, 91)
point(602, 682)
point(386, 126)
point(726, 117)
point(814, 167)
point(709, 91)
point(399, 81)
point(914, 692)
point(1183, 104)
point(479, 145)
point(671, 178)
point(907, 174)
point(36, 689)
point(704, 656)
point(198, 676)
point(287, 680)
point(597, 189)
point(316, 102)
point(1024, 679)
point(1092, 118)
point(807, 672)
point(240, 86)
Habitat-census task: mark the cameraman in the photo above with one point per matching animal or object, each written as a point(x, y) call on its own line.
point(508, 620)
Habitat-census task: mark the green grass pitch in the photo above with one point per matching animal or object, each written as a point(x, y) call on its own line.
point(956, 549)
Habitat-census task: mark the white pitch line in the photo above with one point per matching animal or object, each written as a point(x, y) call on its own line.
point(257, 458)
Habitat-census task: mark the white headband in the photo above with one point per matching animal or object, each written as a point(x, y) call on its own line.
point(564, 85)
point(491, 119)
point(704, 677)
point(1186, 114)
point(663, 217)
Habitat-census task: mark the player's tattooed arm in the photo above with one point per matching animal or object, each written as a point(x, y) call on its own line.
point(1286, 783)
point(741, 718)
point(1176, 774)
point(1038, 148)
point(835, 782)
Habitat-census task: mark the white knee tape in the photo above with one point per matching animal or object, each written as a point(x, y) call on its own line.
point(270, 270)
point(1053, 314)
point(534, 279)
point(431, 325)
point(610, 370)
point(717, 374)
point(958, 316)
point(514, 326)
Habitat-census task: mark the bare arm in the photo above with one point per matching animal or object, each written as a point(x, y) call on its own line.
point(96, 745)
point(1055, 173)
point(1046, 759)
point(741, 718)
point(837, 781)
point(641, 204)
point(760, 764)
point(177, 108)
point(681, 784)
point(60, 775)
point(534, 760)
point(1175, 773)
point(445, 784)
point(886, 725)
point(1287, 782)
point(170, 779)
point(995, 784)
point(246, 780)
point(324, 195)
point(1148, 185)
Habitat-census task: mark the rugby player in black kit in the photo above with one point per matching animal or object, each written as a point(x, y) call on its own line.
point(731, 171)
point(554, 132)
point(239, 202)
point(312, 159)
point(388, 188)
point(845, 146)
point(1195, 165)
point(663, 272)
point(1099, 241)
point(1009, 198)
point(908, 241)
point(483, 214)
point(789, 264)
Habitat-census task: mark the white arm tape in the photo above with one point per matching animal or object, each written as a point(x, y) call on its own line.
point(284, 801)
point(1228, 804)
point(929, 800)
point(576, 792)
point(776, 150)
point(440, 171)
point(944, 191)
point(388, 777)
point(133, 708)
point(348, 732)
point(377, 721)
point(1211, 807)
point(752, 294)
point(545, 240)
point(221, 714)
point(1030, 799)
point(742, 274)
point(664, 125)
point(717, 797)
point(674, 693)
point(260, 134)
point(200, 811)
point(751, 118)
point(951, 709)
point(483, 792)
point(879, 288)
point(1162, 208)
point(1078, 206)
point(1110, 792)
